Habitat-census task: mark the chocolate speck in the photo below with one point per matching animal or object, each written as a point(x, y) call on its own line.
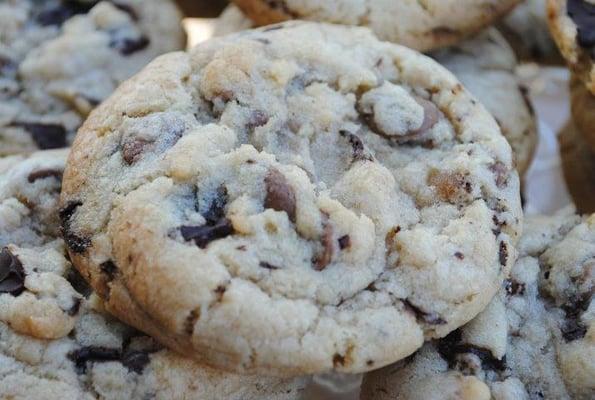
point(132, 151)
point(503, 254)
point(266, 265)
point(344, 242)
point(324, 258)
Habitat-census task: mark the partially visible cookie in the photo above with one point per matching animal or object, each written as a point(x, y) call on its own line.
point(536, 340)
point(273, 202)
point(578, 164)
point(582, 105)
point(56, 341)
point(526, 29)
point(572, 23)
point(422, 25)
point(486, 66)
point(59, 59)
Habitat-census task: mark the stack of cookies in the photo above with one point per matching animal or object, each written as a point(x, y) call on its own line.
point(303, 198)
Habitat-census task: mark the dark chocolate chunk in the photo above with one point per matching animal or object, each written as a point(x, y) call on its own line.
point(338, 360)
point(359, 152)
point(205, 234)
point(427, 317)
point(503, 254)
point(573, 328)
point(344, 242)
point(82, 356)
point(459, 255)
point(46, 136)
point(76, 305)
point(109, 269)
point(78, 282)
point(45, 173)
point(266, 265)
point(133, 150)
point(135, 361)
point(513, 287)
point(216, 210)
point(76, 243)
point(451, 347)
point(279, 195)
point(129, 46)
point(12, 273)
point(583, 14)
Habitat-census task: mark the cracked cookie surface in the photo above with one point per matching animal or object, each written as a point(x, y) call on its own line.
point(421, 24)
point(536, 340)
point(271, 203)
point(572, 23)
point(56, 340)
point(60, 58)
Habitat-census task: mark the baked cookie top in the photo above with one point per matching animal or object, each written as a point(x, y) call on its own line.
point(536, 340)
point(572, 23)
point(273, 202)
point(59, 59)
point(56, 341)
point(422, 25)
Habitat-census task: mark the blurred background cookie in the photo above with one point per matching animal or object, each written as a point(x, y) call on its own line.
point(582, 105)
point(202, 8)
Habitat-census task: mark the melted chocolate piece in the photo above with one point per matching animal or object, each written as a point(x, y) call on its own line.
point(583, 15)
point(12, 273)
point(451, 347)
point(205, 234)
point(280, 196)
point(421, 315)
point(44, 173)
point(76, 243)
point(46, 136)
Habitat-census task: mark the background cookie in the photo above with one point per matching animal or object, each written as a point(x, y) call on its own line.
point(571, 23)
point(527, 31)
point(534, 341)
point(582, 105)
point(268, 202)
point(59, 59)
point(56, 341)
point(486, 66)
point(578, 163)
point(422, 25)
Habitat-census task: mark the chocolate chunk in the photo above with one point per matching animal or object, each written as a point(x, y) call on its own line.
point(279, 195)
point(109, 269)
point(338, 360)
point(427, 317)
point(573, 328)
point(135, 361)
point(503, 254)
point(431, 116)
point(324, 258)
point(257, 118)
point(451, 348)
point(12, 273)
point(191, 321)
point(133, 150)
point(78, 283)
point(76, 243)
point(266, 265)
point(513, 287)
point(583, 14)
point(205, 234)
point(344, 242)
point(525, 93)
point(76, 305)
point(44, 173)
point(59, 12)
point(500, 173)
point(359, 152)
point(129, 46)
point(46, 136)
point(459, 255)
point(216, 210)
point(82, 356)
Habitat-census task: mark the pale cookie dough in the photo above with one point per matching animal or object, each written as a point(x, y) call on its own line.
point(536, 340)
point(572, 23)
point(270, 202)
point(57, 342)
point(422, 25)
point(59, 59)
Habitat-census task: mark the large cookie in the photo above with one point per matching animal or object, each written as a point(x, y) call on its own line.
point(572, 23)
point(56, 341)
point(536, 340)
point(486, 66)
point(422, 25)
point(273, 202)
point(59, 59)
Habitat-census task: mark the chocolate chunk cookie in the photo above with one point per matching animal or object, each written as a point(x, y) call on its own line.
point(56, 341)
point(422, 25)
point(572, 23)
point(536, 340)
point(273, 202)
point(486, 66)
point(59, 59)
